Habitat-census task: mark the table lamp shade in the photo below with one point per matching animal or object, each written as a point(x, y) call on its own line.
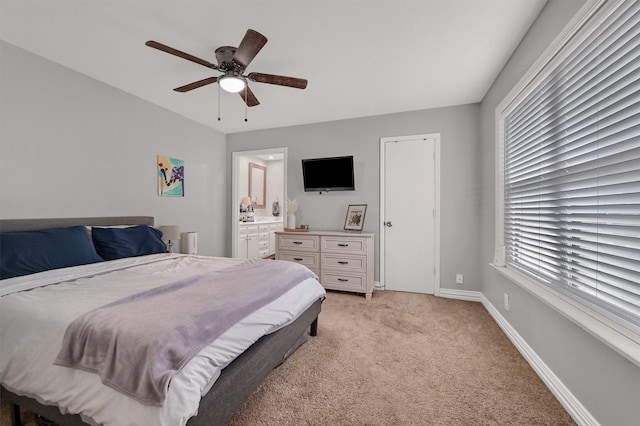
point(170, 232)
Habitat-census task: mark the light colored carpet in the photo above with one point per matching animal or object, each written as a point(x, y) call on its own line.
point(401, 359)
point(404, 359)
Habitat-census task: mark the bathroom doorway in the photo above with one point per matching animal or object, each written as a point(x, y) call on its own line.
point(259, 178)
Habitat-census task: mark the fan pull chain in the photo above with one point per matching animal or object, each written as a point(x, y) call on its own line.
point(246, 94)
point(218, 103)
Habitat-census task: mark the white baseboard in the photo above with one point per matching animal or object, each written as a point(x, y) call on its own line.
point(570, 403)
point(450, 293)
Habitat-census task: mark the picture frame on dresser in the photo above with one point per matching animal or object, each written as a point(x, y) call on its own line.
point(355, 217)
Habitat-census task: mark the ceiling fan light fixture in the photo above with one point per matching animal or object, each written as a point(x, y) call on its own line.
point(232, 63)
point(231, 83)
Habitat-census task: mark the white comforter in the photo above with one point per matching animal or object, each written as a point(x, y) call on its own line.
point(38, 309)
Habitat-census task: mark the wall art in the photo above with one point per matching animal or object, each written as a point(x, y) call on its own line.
point(170, 177)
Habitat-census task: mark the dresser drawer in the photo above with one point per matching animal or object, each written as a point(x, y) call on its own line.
point(344, 262)
point(299, 242)
point(351, 245)
point(248, 229)
point(338, 281)
point(310, 260)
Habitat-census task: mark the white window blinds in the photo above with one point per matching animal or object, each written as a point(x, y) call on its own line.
point(572, 172)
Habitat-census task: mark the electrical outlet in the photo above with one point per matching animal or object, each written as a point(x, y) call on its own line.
point(506, 302)
point(459, 279)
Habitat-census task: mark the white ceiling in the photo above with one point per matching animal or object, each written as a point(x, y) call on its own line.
point(361, 57)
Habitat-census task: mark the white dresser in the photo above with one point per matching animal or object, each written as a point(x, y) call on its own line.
point(342, 260)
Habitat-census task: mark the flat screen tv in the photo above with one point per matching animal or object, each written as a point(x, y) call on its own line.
point(328, 174)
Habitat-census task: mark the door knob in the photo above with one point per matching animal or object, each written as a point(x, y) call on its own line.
point(388, 224)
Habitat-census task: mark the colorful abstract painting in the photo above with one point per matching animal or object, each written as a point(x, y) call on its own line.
point(170, 177)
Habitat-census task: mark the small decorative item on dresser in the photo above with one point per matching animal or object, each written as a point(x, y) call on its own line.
point(292, 206)
point(291, 221)
point(355, 217)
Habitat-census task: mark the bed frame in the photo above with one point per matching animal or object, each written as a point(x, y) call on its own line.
point(236, 382)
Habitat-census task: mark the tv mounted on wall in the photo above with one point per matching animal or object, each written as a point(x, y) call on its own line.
point(328, 174)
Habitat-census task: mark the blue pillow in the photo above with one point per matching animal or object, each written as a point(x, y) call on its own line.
point(24, 253)
point(116, 243)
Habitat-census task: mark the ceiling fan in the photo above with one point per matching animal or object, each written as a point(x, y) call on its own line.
point(232, 62)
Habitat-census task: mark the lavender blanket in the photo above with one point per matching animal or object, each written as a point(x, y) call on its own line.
point(139, 343)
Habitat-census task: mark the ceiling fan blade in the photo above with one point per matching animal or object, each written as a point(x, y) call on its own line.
point(247, 94)
point(298, 83)
point(180, 54)
point(249, 47)
point(196, 84)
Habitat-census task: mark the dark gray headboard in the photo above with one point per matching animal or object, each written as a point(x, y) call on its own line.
point(17, 225)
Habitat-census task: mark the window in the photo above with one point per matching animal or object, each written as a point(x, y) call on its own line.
point(569, 170)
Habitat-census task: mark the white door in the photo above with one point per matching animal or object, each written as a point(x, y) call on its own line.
point(409, 238)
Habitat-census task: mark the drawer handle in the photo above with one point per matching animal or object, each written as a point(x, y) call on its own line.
point(298, 258)
point(297, 242)
point(343, 262)
point(343, 279)
point(343, 245)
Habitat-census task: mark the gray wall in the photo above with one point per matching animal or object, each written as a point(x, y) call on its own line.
point(460, 190)
point(607, 384)
point(71, 146)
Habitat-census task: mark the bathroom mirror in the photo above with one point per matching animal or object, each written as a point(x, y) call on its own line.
point(257, 185)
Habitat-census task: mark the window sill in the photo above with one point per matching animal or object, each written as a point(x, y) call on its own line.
point(618, 338)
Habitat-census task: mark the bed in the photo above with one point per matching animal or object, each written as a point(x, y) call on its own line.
point(208, 390)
